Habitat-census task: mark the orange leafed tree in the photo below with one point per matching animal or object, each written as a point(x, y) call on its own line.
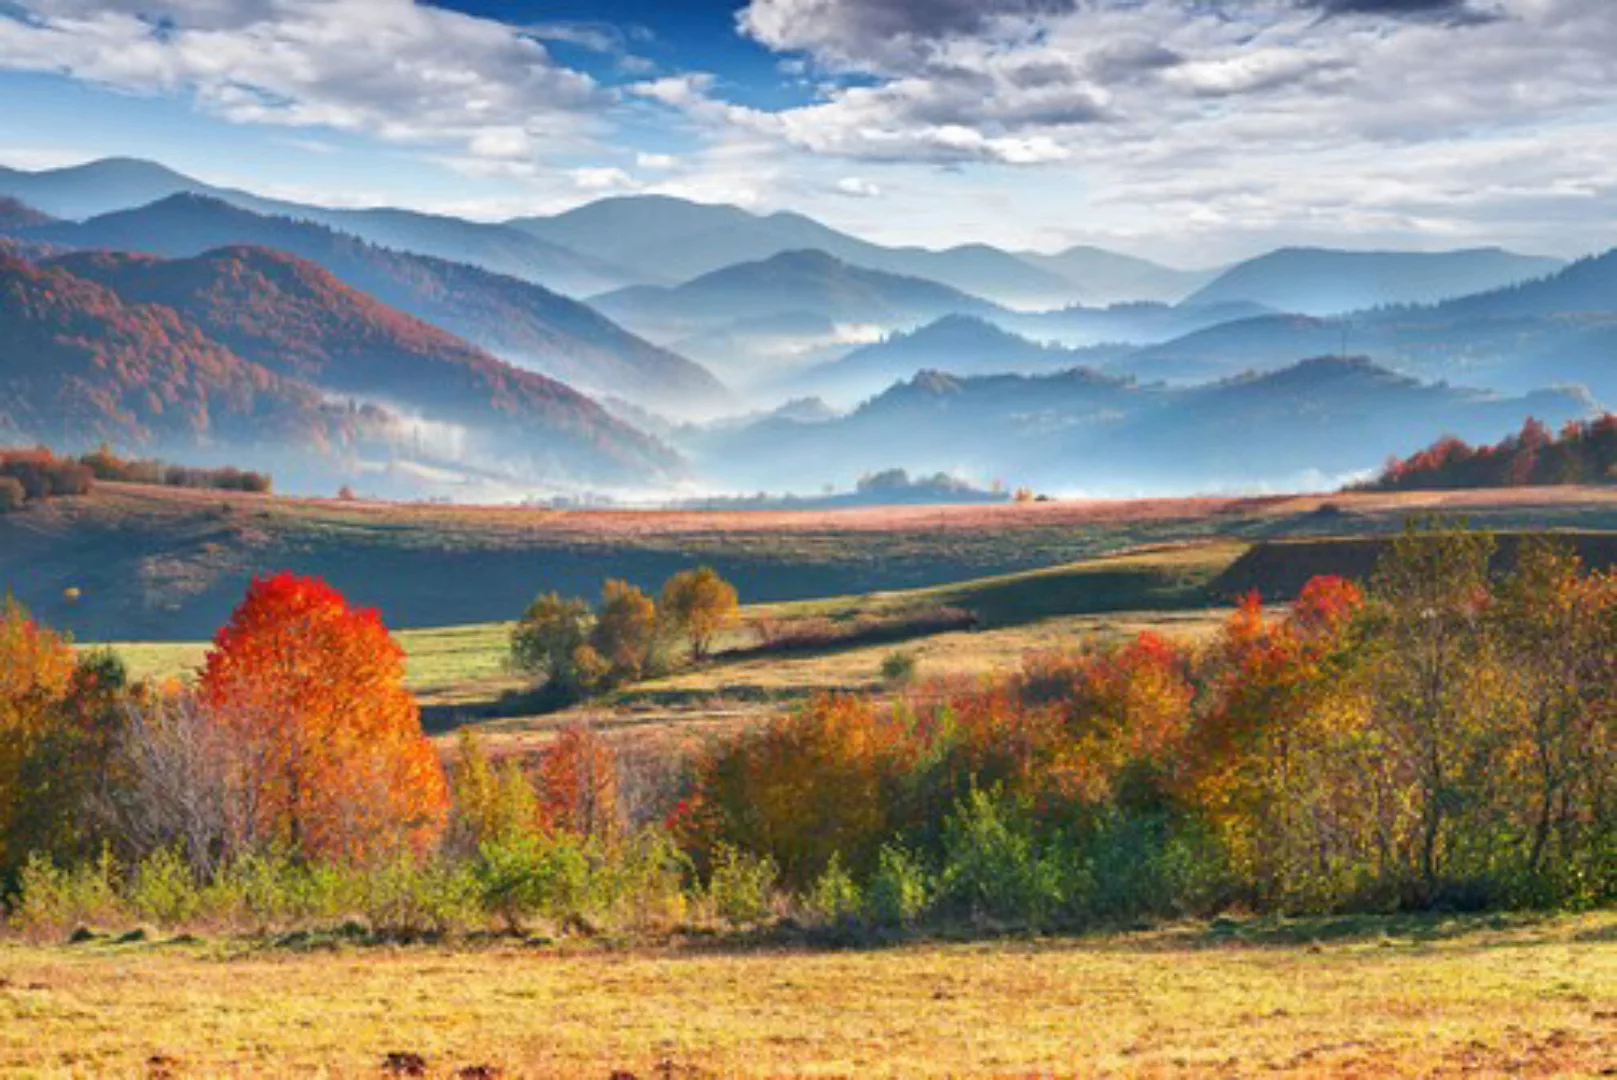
point(330, 740)
point(36, 676)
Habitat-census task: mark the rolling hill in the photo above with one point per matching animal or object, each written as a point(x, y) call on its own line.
point(112, 184)
point(521, 322)
point(1319, 281)
point(794, 283)
point(15, 214)
point(956, 344)
point(295, 318)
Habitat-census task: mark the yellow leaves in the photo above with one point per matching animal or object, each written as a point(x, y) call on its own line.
point(36, 679)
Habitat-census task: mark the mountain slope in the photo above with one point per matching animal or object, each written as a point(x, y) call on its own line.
point(1557, 329)
point(1583, 286)
point(293, 317)
point(521, 322)
point(78, 365)
point(112, 184)
point(18, 215)
point(793, 283)
point(1318, 281)
point(1108, 277)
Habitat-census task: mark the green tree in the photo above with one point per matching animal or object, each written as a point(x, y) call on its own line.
point(549, 638)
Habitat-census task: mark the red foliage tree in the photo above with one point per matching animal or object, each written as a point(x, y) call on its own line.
point(313, 690)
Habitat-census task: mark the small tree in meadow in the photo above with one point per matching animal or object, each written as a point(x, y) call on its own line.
point(698, 604)
point(549, 639)
point(625, 631)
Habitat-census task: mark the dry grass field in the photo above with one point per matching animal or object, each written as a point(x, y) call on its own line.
point(1362, 997)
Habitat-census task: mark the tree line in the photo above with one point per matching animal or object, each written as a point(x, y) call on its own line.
point(1583, 452)
point(36, 474)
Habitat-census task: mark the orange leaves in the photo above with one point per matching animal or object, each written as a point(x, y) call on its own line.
point(36, 678)
point(314, 691)
point(805, 787)
point(1583, 452)
point(579, 781)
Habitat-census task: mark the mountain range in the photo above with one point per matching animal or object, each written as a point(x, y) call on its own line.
point(667, 241)
point(521, 322)
point(1310, 423)
point(1558, 329)
point(250, 347)
point(112, 184)
point(145, 307)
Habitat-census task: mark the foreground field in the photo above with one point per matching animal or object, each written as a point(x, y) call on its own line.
point(1363, 997)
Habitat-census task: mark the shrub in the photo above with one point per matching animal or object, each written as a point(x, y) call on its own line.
point(52, 900)
point(900, 890)
point(270, 890)
point(992, 866)
point(404, 898)
point(641, 880)
point(835, 897)
point(529, 876)
point(898, 668)
point(741, 885)
point(806, 787)
point(44, 475)
point(163, 889)
point(490, 803)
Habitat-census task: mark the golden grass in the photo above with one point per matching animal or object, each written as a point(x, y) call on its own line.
point(1390, 998)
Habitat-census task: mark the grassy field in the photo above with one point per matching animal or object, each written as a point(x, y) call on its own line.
point(166, 564)
point(1349, 997)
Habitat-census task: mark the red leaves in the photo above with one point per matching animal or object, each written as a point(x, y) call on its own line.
point(1583, 452)
point(314, 691)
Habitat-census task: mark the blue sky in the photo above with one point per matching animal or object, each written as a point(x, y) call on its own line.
point(1189, 130)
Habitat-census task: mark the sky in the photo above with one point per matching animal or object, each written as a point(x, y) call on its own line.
point(1192, 131)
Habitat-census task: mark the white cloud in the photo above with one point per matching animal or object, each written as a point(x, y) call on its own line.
point(399, 70)
point(858, 187)
point(658, 162)
point(602, 178)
